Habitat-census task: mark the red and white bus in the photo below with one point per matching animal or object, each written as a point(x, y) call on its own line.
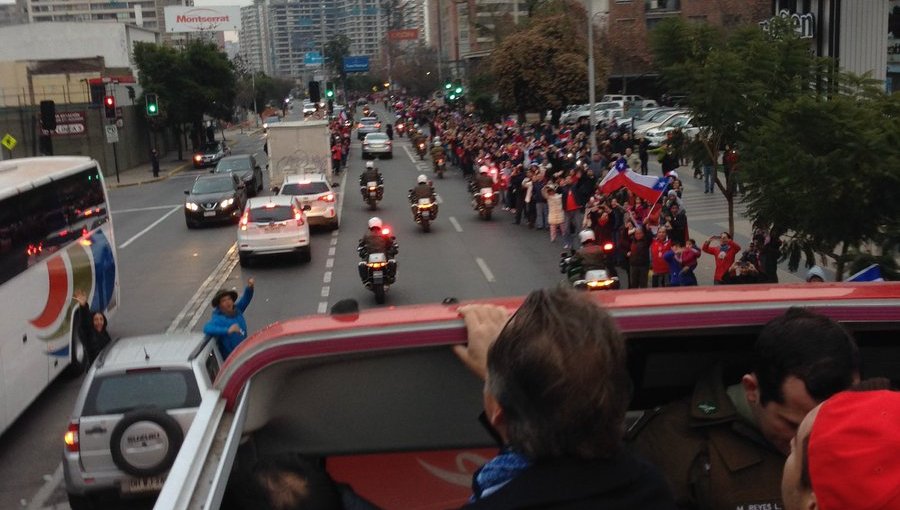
point(56, 236)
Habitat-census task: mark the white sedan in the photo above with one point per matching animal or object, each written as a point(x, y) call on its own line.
point(658, 135)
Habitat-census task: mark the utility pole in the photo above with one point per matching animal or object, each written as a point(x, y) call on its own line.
point(591, 78)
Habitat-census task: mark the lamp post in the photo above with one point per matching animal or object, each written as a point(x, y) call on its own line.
point(591, 74)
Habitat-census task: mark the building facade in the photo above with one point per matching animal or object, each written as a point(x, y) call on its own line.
point(12, 14)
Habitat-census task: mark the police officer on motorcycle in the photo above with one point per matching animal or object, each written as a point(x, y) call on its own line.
point(423, 189)
point(370, 174)
point(483, 179)
point(589, 257)
point(376, 240)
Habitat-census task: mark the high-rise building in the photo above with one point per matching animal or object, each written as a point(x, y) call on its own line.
point(254, 38)
point(364, 23)
point(12, 14)
point(146, 14)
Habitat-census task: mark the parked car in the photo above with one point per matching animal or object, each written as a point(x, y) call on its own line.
point(314, 190)
point(247, 168)
point(377, 144)
point(210, 153)
point(273, 225)
point(367, 125)
point(584, 112)
point(309, 108)
point(646, 114)
point(656, 136)
point(131, 415)
point(214, 198)
point(657, 120)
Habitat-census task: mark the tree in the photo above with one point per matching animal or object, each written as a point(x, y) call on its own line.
point(732, 82)
point(190, 82)
point(825, 172)
point(335, 51)
point(545, 65)
point(416, 70)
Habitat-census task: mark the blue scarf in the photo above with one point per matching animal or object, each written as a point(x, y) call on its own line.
point(497, 472)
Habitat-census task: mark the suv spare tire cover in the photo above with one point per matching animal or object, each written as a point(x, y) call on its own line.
point(145, 442)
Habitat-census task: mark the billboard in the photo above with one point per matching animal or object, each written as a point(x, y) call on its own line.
point(406, 34)
point(356, 64)
point(203, 19)
point(69, 124)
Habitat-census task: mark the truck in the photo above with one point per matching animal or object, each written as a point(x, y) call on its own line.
point(379, 399)
point(298, 147)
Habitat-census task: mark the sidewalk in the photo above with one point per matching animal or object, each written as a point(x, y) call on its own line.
point(169, 165)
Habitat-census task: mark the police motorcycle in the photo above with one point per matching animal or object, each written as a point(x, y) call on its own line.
point(421, 146)
point(440, 163)
point(378, 269)
point(594, 279)
point(424, 210)
point(372, 190)
point(484, 199)
point(400, 128)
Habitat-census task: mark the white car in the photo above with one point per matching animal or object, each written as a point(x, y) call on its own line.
point(659, 119)
point(271, 225)
point(309, 108)
point(377, 144)
point(314, 191)
point(656, 136)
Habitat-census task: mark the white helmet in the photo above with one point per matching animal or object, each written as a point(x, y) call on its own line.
point(370, 164)
point(484, 169)
point(586, 235)
point(374, 222)
point(437, 142)
point(422, 179)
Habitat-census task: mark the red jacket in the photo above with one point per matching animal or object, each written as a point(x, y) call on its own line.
point(725, 256)
point(657, 250)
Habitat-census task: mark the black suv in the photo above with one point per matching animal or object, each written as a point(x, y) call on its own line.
point(214, 198)
point(247, 168)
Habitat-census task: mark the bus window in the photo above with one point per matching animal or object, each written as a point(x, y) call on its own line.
point(13, 257)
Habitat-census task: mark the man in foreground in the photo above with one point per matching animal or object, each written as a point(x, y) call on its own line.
point(556, 391)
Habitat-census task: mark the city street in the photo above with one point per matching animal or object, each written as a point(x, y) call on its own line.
point(169, 273)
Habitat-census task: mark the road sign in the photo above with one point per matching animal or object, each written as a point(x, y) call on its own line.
point(112, 133)
point(9, 142)
point(356, 64)
point(69, 124)
point(406, 34)
point(312, 58)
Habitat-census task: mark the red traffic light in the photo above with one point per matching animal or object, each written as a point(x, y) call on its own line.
point(109, 101)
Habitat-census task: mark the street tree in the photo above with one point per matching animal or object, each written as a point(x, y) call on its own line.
point(545, 64)
point(416, 70)
point(732, 81)
point(189, 82)
point(336, 50)
point(825, 173)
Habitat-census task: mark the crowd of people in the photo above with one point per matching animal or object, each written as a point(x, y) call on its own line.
point(548, 178)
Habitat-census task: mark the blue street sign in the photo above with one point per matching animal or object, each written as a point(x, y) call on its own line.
point(313, 57)
point(356, 64)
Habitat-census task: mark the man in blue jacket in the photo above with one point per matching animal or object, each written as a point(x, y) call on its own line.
point(227, 323)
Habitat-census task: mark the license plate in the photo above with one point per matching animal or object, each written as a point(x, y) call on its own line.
point(377, 274)
point(209, 214)
point(426, 214)
point(273, 228)
point(373, 194)
point(143, 485)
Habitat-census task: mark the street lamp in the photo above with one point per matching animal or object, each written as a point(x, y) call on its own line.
point(589, 4)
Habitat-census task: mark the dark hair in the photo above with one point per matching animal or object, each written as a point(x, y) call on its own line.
point(808, 346)
point(558, 371)
point(287, 481)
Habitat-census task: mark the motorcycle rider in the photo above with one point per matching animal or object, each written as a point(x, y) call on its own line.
point(437, 152)
point(483, 179)
point(375, 240)
point(423, 189)
point(370, 174)
point(589, 257)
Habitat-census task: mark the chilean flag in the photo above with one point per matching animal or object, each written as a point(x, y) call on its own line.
point(869, 274)
point(645, 186)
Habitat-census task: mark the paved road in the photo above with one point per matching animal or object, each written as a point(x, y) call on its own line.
point(168, 274)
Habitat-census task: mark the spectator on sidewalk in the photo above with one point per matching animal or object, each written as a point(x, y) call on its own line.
point(658, 248)
point(154, 162)
point(725, 252)
point(689, 257)
point(638, 257)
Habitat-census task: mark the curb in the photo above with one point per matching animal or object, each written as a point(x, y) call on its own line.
point(174, 171)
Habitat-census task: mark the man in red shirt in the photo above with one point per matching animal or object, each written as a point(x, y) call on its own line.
point(725, 253)
point(660, 245)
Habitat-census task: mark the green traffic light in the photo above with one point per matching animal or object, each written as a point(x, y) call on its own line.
point(329, 93)
point(151, 108)
point(458, 90)
point(447, 86)
point(452, 97)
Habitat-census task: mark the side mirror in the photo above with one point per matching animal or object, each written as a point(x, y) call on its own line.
point(275, 190)
point(187, 192)
point(336, 185)
point(307, 207)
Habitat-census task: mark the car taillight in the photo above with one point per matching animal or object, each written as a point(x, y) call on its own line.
point(378, 125)
point(71, 437)
point(607, 246)
point(298, 216)
point(327, 198)
point(245, 218)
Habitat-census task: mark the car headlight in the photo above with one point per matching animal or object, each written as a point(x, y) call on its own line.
point(190, 206)
point(265, 125)
point(227, 202)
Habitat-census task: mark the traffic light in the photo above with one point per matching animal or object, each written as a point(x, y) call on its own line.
point(448, 86)
point(48, 115)
point(152, 105)
point(109, 104)
point(329, 90)
point(314, 94)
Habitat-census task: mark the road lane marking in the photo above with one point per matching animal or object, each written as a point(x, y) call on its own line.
point(197, 305)
point(332, 250)
point(323, 307)
point(329, 263)
point(46, 490)
point(488, 275)
point(327, 277)
point(326, 290)
point(155, 223)
point(411, 158)
point(455, 224)
point(141, 209)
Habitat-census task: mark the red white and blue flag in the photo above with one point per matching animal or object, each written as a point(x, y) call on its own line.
point(645, 186)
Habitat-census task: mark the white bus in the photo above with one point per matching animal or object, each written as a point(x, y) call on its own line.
point(56, 236)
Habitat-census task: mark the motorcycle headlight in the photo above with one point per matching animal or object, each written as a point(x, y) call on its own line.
point(227, 202)
point(190, 206)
